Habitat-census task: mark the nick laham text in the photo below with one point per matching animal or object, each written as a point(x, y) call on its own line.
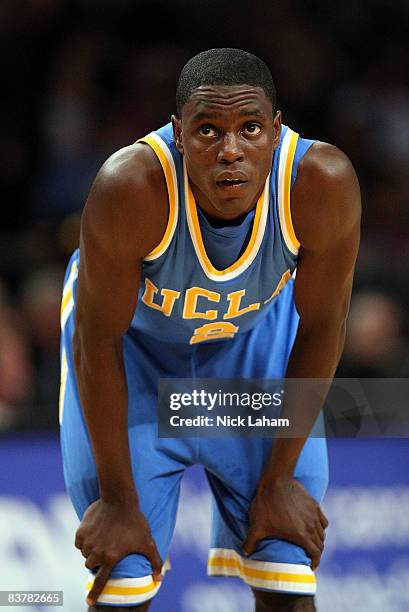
point(228, 421)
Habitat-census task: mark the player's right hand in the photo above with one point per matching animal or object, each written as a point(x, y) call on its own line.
point(110, 531)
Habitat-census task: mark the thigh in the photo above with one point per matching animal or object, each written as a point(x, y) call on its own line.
point(157, 471)
point(234, 467)
point(157, 479)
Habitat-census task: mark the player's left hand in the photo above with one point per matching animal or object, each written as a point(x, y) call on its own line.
point(286, 511)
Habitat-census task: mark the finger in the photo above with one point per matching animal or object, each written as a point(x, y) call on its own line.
point(318, 543)
point(320, 531)
point(315, 555)
point(79, 540)
point(99, 583)
point(85, 551)
point(156, 561)
point(323, 518)
point(313, 547)
point(92, 562)
point(250, 543)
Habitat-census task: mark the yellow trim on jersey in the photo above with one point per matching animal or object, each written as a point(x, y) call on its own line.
point(287, 153)
point(252, 248)
point(63, 384)
point(288, 577)
point(287, 190)
point(66, 298)
point(67, 303)
point(168, 166)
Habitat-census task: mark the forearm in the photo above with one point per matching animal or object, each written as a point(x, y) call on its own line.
point(315, 355)
point(103, 392)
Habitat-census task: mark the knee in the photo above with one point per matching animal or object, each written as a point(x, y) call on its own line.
point(282, 602)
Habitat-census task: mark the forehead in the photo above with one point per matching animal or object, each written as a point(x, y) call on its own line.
point(213, 100)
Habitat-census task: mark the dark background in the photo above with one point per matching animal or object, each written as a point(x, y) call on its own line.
point(84, 78)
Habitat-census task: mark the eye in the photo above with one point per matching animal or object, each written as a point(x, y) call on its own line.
point(207, 130)
point(252, 128)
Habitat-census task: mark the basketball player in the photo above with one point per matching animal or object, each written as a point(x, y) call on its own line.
point(189, 245)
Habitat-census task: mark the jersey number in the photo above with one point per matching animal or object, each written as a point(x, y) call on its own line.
point(213, 331)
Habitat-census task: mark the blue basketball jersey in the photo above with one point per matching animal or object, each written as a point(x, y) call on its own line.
point(200, 284)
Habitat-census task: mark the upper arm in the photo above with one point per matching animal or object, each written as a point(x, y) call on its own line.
point(326, 212)
point(123, 220)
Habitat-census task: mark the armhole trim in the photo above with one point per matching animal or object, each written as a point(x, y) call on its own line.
point(169, 169)
point(287, 154)
point(63, 385)
point(67, 303)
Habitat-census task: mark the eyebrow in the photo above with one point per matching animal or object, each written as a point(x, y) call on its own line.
point(244, 113)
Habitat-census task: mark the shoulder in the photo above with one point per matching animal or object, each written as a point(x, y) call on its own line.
point(130, 172)
point(325, 200)
point(128, 198)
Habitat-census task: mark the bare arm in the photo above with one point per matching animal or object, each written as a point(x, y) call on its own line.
point(123, 220)
point(328, 188)
point(326, 215)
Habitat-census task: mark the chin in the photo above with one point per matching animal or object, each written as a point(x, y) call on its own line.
point(232, 207)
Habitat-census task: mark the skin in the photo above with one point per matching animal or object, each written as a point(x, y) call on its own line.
point(222, 129)
point(210, 150)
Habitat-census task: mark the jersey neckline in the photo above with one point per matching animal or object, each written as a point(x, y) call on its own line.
point(226, 231)
point(250, 252)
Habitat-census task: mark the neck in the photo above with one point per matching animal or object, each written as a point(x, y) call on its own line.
point(217, 222)
point(231, 212)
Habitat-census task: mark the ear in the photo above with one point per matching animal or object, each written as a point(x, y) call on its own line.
point(177, 133)
point(276, 129)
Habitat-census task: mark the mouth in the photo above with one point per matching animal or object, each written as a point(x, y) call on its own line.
point(231, 184)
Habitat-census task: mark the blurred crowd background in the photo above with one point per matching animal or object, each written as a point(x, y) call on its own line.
point(82, 78)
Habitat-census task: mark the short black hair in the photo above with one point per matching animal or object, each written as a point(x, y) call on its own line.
point(224, 66)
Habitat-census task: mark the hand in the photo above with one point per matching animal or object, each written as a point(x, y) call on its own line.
point(286, 511)
point(108, 532)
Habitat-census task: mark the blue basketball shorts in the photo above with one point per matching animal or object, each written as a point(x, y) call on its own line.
point(233, 465)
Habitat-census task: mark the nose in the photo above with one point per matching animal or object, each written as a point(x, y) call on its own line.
point(230, 149)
